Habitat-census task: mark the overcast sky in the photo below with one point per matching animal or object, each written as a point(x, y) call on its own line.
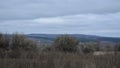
point(94, 17)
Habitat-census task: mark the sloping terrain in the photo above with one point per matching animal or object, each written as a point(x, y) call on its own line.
point(81, 37)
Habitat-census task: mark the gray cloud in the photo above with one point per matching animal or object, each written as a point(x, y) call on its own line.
point(96, 17)
point(31, 9)
point(98, 24)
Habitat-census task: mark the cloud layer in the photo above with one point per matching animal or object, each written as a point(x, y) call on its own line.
point(61, 16)
point(28, 9)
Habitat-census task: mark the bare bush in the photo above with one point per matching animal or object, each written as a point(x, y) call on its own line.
point(66, 43)
point(16, 46)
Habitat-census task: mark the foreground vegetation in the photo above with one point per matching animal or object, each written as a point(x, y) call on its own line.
point(62, 60)
point(18, 51)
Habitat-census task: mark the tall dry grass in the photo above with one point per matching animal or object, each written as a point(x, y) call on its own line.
point(63, 60)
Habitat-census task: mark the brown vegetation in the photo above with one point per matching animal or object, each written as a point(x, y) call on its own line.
point(20, 52)
point(63, 60)
point(66, 43)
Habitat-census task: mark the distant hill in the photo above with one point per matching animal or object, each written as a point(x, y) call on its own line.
point(81, 37)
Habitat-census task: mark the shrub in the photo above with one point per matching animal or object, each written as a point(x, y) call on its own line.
point(21, 42)
point(4, 41)
point(16, 45)
point(66, 43)
point(118, 47)
point(90, 47)
point(23, 45)
point(18, 41)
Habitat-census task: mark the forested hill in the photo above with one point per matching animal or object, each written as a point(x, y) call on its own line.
point(83, 38)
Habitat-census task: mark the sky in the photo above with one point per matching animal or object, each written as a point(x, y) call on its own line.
point(91, 17)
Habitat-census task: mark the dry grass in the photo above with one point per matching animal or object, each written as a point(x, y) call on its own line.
point(63, 60)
